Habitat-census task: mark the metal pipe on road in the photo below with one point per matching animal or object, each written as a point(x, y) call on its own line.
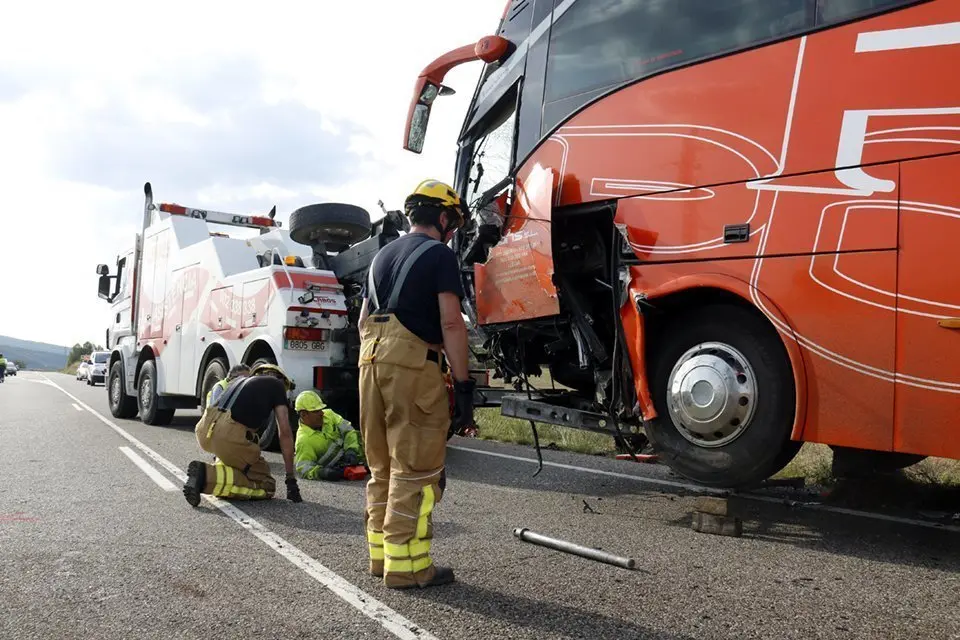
point(526, 535)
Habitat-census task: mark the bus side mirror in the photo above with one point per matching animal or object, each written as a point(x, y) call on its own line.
point(102, 269)
point(103, 287)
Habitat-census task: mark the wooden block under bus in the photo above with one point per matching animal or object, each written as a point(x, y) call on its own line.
point(717, 525)
point(713, 505)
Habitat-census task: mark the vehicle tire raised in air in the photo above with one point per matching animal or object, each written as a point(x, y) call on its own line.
point(725, 398)
point(147, 399)
point(332, 224)
point(215, 372)
point(267, 433)
point(121, 405)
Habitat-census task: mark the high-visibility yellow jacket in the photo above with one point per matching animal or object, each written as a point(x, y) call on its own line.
point(319, 453)
point(216, 389)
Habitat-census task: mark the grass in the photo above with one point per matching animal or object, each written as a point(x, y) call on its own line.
point(813, 461)
point(494, 426)
point(70, 369)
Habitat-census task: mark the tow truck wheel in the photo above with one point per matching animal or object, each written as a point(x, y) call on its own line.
point(332, 223)
point(215, 372)
point(723, 389)
point(121, 405)
point(147, 399)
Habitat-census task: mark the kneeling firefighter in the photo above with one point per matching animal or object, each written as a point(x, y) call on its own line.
point(411, 312)
point(327, 445)
point(228, 429)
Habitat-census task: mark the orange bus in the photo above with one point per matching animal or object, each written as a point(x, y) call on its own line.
point(726, 224)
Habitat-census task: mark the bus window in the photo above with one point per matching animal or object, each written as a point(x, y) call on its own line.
point(492, 157)
point(600, 44)
point(829, 11)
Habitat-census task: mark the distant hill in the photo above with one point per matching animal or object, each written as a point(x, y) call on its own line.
point(36, 355)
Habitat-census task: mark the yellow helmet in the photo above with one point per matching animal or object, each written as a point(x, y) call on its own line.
point(309, 400)
point(269, 369)
point(433, 193)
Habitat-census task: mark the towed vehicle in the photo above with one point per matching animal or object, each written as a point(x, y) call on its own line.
point(724, 229)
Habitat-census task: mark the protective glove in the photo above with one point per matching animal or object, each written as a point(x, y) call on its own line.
point(331, 473)
point(350, 459)
point(463, 403)
point(293, 490)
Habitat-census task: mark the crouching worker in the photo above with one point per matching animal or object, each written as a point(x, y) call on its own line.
point(228, 430)
point(328, 447)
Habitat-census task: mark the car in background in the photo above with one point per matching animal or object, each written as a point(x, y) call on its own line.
point(97, 371)
point(83, 369)
point(11, 369)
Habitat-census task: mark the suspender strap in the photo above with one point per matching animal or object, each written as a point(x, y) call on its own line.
point(408, 263)
point(229, 397)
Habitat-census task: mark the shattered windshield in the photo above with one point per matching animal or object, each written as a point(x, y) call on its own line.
point(492, 157)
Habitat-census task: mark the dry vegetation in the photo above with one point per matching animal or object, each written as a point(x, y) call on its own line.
point(813, 462)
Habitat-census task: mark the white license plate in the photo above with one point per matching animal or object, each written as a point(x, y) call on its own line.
point(305, 345)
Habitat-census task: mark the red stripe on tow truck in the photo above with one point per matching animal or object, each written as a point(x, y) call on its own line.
point(301, 280)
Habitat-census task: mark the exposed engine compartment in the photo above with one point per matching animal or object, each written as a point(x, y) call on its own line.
point(581, 348)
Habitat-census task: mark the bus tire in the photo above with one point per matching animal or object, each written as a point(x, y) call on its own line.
point(147, 399)
point(121, 405)
point(723, 389)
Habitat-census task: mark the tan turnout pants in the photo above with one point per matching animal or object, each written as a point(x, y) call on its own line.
point(404, 418)
point(240, 472)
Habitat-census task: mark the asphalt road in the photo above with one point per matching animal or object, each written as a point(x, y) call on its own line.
point(92, 546)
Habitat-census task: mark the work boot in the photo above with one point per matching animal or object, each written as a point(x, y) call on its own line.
point(196, 481)
point(441, 575)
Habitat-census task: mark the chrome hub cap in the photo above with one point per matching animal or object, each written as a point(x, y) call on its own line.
point(115, 390)
point(146, 397)
point(712, 394)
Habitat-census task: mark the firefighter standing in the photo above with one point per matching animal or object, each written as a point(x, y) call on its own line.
point(327, 445)
point(227, 429)
point(411, 312)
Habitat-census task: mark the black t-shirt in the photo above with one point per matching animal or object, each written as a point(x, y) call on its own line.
point(257, 399)
point(436, 271)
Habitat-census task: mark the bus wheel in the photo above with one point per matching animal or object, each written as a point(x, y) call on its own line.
point(121, 405)
point(724, 393)
point(147, 399)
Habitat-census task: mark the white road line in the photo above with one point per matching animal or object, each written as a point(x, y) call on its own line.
point(392, 621)
point(701, 489)
point(152, 473)
point(77, 407)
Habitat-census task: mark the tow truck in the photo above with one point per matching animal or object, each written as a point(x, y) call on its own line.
point(190, 301)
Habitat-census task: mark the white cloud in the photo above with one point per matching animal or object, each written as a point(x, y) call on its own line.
point(230, 105)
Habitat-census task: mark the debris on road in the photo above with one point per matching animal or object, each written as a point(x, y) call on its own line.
point(578, 550)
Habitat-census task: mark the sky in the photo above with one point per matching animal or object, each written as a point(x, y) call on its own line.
point(232, 106)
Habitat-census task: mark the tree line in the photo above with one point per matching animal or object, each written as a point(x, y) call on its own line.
point(80, 350)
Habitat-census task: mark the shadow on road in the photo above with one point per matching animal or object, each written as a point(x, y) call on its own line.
point(827, 532)
point(552, 618)
point(774, 522)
